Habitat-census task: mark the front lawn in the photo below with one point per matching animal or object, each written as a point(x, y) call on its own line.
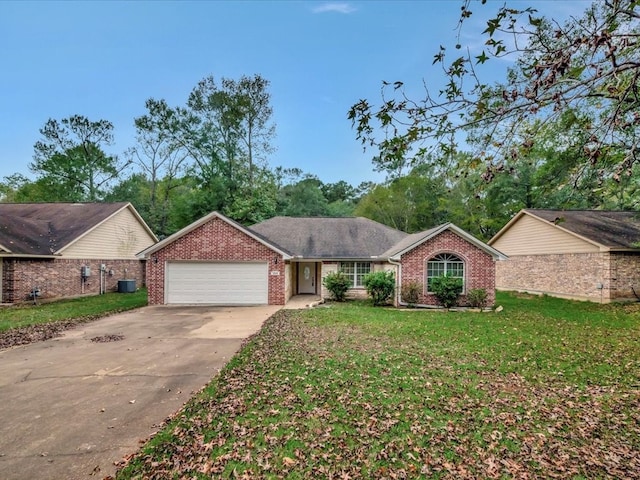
point(546, 388)
point(26, 323)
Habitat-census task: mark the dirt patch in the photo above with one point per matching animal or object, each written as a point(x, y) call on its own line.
point(107, 338)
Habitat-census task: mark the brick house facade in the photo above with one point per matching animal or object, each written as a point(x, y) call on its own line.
point(69, 249)
point(479, 266)
point(598, 277)
point(577, 254)
point(60, 277)
point(292, 256)
point(215, 240)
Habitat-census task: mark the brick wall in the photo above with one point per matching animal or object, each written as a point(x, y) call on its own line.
point(576, 276)
point(215, 240)
point(60, 277)
point(479, 266)
point(625, 275)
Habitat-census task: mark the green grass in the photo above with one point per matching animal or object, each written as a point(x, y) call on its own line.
point(545, 388)
point(77, 308)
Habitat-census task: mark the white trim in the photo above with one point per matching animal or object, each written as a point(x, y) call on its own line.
point(354, 275)
point(457, 230)
point(521, 213)
point(129, 206)
point(147, 252)
point(461, 260)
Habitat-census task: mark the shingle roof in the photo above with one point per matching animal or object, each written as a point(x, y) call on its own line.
point(415, 239)
point(45, 228)
point(612, 229)
point(327, 237)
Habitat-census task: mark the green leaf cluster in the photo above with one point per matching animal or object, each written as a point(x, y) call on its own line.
point(446, 289)
point(380, 286)
point(338, 283)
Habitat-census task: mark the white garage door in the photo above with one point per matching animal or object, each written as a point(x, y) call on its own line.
point(211, 283)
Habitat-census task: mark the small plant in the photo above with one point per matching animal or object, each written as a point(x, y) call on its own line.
point(411, 293)
point(380, 286)
point(477, 297)
point(337, 283)
point(446, 289)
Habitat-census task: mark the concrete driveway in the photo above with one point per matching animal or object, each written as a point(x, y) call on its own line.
point(70, 407)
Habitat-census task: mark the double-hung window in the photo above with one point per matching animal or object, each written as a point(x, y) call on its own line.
point(444, 264)
point(355, 271)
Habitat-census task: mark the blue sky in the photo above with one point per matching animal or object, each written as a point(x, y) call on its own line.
point(104, 59)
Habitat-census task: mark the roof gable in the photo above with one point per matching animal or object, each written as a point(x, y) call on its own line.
point(416, 239)
point(193, 226)
point(606, 230)
point(44, 229)
point(329, 237)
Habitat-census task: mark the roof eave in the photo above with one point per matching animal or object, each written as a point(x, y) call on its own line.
point(129, 206)
point(496, 254)
point(146, 253)
point(27, 255)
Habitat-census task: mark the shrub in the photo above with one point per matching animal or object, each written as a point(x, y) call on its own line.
point(380, 286)
point(446, 289)
point(337, 283)
point(411, 292)
point(477, 297)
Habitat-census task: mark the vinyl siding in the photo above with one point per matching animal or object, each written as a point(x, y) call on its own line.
point(530, 236)
point(119, 237)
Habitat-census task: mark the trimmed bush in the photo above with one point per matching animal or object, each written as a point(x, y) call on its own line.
point(411, 293)
point(446, 289)
point(337, 283)
point(477, 297)
point(380, 286)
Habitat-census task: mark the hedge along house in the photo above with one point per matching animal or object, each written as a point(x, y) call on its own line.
point(577, 254)
point(56, 250)
point(220, 262)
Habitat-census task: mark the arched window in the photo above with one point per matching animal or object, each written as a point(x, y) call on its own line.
point(444, 264)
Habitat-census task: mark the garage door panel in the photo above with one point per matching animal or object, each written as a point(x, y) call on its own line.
point(240, 283)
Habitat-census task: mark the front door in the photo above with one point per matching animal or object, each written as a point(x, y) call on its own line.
point(306, 277)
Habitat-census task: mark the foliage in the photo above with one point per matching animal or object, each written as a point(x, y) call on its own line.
point(410, 203)
point(588, 65)
point(337, 283)
point(303, 199)
point(380, 286)
point(477, 297)
point(70, 155)
point(28, 315)
point(410, 292)
point(446, 289)
point(353, 391)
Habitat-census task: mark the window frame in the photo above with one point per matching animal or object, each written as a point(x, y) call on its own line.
point(353, 271)
point(445, 261)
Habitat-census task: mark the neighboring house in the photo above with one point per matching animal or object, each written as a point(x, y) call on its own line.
point(218, 261)
point(69, 249)
point(585, 255)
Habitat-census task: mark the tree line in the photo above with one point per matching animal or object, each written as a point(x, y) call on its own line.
point(559, 132)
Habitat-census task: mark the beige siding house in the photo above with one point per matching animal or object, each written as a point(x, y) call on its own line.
point(55, 250)
point(577, 254)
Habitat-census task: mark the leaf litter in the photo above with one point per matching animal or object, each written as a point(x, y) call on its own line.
point(307, 398)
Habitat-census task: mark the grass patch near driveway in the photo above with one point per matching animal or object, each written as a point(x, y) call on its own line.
point(546, 388)
point(73, 310)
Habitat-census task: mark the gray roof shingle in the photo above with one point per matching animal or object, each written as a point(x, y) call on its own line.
point(328, 237)
point(45, 228)
point(613, 229)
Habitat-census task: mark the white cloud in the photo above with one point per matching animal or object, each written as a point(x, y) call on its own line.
point(341, 7)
